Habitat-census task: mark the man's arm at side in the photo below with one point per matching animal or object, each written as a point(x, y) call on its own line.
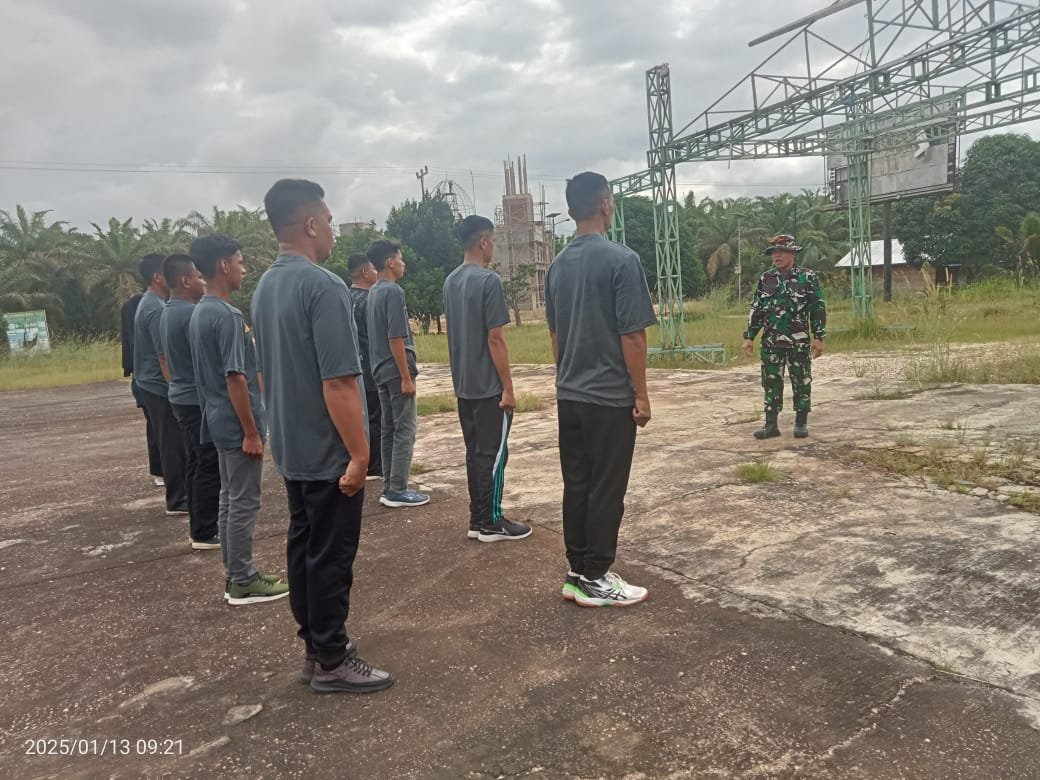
point(397, 349)
point(238, 392)
point(500, 356)
point(343, 400)
point(633, 347)
point(555, 347)
point(164, 367)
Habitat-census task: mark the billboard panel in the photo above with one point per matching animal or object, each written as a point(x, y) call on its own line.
point(27, 332)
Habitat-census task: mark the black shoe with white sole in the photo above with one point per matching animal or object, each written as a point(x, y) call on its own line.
point(504, 531)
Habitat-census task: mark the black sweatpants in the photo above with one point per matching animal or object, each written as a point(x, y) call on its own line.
point(201, 474)
point(154, 459)
point(485, 428)
point(324, 529)
point(172, 451)
point(596, 446)
point(375, 428)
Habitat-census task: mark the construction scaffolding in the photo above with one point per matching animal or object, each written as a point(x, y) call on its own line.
point(933, 69)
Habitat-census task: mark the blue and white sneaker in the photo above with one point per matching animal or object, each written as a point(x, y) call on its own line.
point(608, 591)
point(394, 498)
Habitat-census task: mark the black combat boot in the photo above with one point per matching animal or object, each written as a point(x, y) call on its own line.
point(770, 429)
point(801, 425)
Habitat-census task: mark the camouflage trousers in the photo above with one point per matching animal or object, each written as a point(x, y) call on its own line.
point(799, 363)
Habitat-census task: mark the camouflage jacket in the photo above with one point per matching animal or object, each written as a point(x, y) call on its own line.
point(787, 307)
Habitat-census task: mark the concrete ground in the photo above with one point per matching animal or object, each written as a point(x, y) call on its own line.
point(841, 622)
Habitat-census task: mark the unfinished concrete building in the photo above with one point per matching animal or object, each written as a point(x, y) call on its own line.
point(520, 238)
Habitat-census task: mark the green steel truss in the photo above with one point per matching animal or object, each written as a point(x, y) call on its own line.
point(918, 58)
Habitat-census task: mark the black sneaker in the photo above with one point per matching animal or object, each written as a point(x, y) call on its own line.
point(206, 544)
point(310, 663)
point(351, 676)
point(505, 531)
point(474, 531)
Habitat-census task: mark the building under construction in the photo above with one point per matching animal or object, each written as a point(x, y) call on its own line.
point(520, 238)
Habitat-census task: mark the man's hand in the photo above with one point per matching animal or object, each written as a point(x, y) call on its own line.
point(641, 412)
point(407, 386)
point(508, 402)
point(253, 446)
point(353, 478)
point(749, 347)
point(817, 347)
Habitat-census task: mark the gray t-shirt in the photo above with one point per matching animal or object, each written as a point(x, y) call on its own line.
point(305, 333)
point(359, 300)
point(222, 344)
point(388, 319)
point(173, 338)
point(148, 345)
point(474, 303)
point(595, 292)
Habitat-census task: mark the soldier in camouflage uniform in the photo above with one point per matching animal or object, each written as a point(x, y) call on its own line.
point(787, 307)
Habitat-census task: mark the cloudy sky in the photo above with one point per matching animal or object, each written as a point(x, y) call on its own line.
point(215, 99)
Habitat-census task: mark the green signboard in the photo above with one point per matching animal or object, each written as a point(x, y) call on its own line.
point(27, 332)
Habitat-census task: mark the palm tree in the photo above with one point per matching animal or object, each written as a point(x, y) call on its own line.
point(116, 254)
point(1024, 247)
point(166, 237)
point(33, 257)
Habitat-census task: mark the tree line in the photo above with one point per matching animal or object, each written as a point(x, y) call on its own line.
point(988, 226)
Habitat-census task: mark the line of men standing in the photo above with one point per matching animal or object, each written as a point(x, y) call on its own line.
point(323, 354)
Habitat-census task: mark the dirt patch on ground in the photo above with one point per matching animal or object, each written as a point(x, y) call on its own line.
point(825, 625)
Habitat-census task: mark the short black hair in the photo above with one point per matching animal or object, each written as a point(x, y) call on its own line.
point(382, 250)
point(584, 193)
point(286, 198)
point(175, 268)
point(209, 250)
point(472, 228)
point(149, 266)
point(356, 262)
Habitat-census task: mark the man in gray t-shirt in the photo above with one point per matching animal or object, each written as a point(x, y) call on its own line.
point(392, 354)
point(201, 467)
point(234, 419)
point(598, 307)
point(152, 377)
point(475, 305)
point(307, 351)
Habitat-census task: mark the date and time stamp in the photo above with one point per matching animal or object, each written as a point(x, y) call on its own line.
point(103, 747)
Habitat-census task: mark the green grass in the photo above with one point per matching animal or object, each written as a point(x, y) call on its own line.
point(946, 469)
point(71, 363)
point(442, 403)
point(756, 473)
point(993, 311)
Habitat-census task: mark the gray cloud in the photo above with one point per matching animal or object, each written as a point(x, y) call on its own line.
point(368, 90)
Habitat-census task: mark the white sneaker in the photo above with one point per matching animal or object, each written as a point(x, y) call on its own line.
point(158, 481)
point(608, 591)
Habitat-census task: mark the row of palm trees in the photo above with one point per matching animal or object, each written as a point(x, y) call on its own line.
point(82, 278)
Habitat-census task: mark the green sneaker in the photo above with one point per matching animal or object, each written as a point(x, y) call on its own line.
point(256, 590)
point(271, 578)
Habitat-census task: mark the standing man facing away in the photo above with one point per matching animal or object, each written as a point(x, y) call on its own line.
point(392, 354)
point(234, 419)
point(598, 307)
point(362, 276)
point(153, 376)
point(202, 468)
point(127, 337)
point(476, 308)
point(787, 306)
point(308, 355)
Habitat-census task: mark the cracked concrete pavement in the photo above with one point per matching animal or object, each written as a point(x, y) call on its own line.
point(839, 623)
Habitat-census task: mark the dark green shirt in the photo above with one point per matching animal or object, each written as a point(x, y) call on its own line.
point(788, 306)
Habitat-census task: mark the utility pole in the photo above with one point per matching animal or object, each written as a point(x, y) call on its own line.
point(886, 234)
point(421, 176)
